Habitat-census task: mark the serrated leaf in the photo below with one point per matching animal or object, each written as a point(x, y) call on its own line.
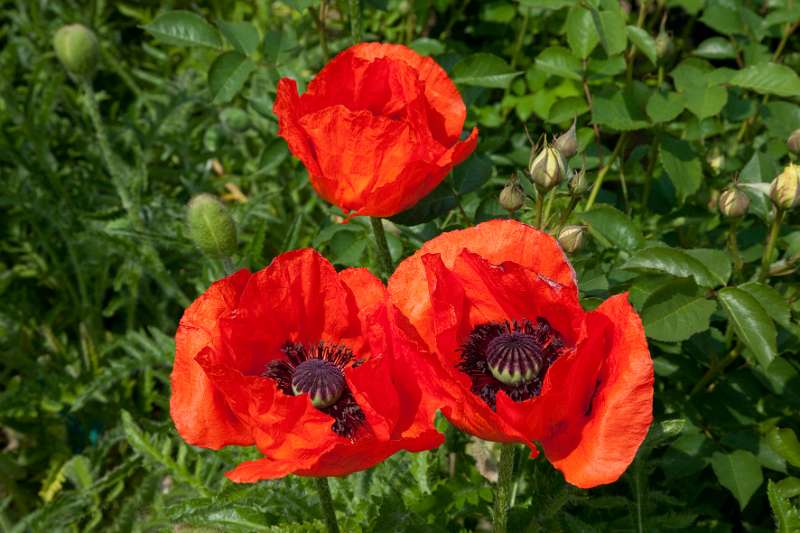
point(612, 31)
point(671, 261)
point(472, 173)
point(677, 311)
point(787, 516)
point(184, 28)
point(682, 165)
point(243, 36)
point(228, 74)
point(768, 78)
point(665, 106)
point(739, 472)
point(706, 102)
point(581, 33)
point(716, 48)
point(644, 42)
point(559, 61)
point(484, 70)
point(784, 442)
point(621, 110)
point(614, 225)
point(751, 323)
point(773, 302)
point(716, 261)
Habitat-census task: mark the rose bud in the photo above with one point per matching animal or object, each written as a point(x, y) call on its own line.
point(512, 197)
point(785, 189)
point(578, 183)
point(567, 142)
point(548, 168)
point(733, 202)
point(77, 49)
point(211, 227)
point(793, 142)
point(571, 238)
point(664, 46)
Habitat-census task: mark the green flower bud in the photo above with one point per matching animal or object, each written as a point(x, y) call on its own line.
point(77, 49)
point(512, 197)
point(571, 238)
point(211, 227)
point(785, 189)
point(793, 142)
point(578, 183)
point(733, 202)
point(664, 46)
point(567, 142)
point(548, 168)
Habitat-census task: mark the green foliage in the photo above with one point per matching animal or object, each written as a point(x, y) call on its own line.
point(97, 264)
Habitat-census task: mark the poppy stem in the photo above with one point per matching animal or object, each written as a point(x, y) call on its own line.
point(325, 500)
point(356, 30)
point(502, 494)
point(384, 257)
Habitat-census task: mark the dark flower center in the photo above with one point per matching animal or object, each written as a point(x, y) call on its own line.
point(319, 372)
point(513, 357)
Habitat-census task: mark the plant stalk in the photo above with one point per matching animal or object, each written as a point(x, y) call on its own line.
point(326, 502)
point(502, 494)
point(384, 257)
point(603, 171)
point(539, 203)
point(771, 240)
point(356, 26)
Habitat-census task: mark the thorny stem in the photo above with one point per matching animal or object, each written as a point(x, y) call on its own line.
point(588, 95)
point(384, 257)
point(573, 202)
point(771, 240)
point(603, 171)
point(503, 491)
point(539, 203)
point(548, 206)
point(326, 502)
point(715, 370)
point(733, 247)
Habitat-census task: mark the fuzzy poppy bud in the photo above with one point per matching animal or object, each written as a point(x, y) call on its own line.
point(211, 227)
point(571, 238)
point(785, 189)
point(733, 202)
point(77, 49)
point(578, 183)
point(512, 197)
point(548, 168)
point(567, 142)
point(793, 142)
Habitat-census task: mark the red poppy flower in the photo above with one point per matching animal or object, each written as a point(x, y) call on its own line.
point(310, 365)
point(519, 358)
point(378, 128)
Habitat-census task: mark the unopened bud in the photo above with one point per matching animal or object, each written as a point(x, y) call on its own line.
point(567, 142)
point(793, 142)
point(733, 202)
point(578, 183)
point(571, 238)
point(211, 227)
point(785, 189)
point(512, 197)
point(716, 161)
point(664, 46)
point(77, 49)
point(548, 168)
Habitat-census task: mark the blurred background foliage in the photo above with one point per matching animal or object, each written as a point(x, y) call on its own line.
point(673, 99)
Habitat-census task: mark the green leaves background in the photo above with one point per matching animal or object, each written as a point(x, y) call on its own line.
point(89, 300)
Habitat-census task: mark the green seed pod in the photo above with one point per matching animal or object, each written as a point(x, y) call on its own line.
point(77, 49)
point(548, 168)
point(211, 227)
point(793, 142)
point(785, 189)
point(733, 202)
point(512, 197)
point(571, 238)
point(567, 142)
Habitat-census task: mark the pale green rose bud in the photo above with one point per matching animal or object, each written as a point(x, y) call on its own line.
point(785, 189)
point(571, 238)
point(548, 168)
point(733, 202)
point(512, 197)
point(567, 142)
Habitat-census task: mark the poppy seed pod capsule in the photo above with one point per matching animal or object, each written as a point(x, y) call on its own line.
point(785, 189)
point(793, 142)
point(512, 197)
point(211, 227)
point(548, 168)
point(77, 49)
point(571, 238)
point(567, 142)
point(733, 203)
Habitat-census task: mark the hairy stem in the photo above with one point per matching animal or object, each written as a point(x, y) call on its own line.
point(384, 257)
point(356, 27)
point(326, 502)
point(503, 491)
